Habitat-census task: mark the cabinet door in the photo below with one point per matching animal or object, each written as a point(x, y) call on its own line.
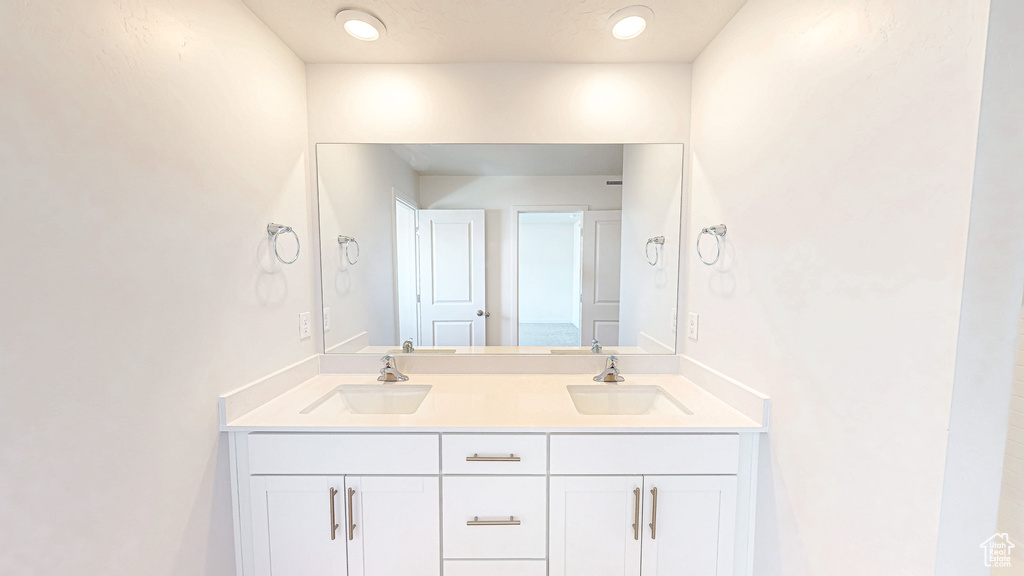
point(292, 530)
point(689, 524)
point(595, 525)
point(396, 526)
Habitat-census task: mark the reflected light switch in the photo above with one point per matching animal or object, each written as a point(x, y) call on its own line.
point(691, 326)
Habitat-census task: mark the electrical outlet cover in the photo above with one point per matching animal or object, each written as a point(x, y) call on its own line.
point(305, 329)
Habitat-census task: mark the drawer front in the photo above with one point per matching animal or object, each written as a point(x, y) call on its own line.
point(494, 454)
point(474, 506)
point(343, 453)
point(495, 568)
point(645, 454)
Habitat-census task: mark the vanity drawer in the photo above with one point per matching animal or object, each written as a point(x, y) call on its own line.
point(494, 454)
point(495, 568)
point(494, 517)
point(645, 453)
point(343, 453)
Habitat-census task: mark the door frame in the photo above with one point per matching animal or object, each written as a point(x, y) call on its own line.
point(514, 250)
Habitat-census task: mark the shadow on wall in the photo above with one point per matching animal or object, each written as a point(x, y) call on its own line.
point(212, 514)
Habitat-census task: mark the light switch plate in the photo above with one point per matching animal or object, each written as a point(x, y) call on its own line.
point(691, 326)
point(305, 330)
point(327, 319)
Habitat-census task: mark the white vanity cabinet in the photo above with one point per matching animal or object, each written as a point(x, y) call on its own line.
point(344, 504)
point(461, 504)
point(642, 525)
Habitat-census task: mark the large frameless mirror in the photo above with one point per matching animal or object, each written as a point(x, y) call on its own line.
point(488, 248)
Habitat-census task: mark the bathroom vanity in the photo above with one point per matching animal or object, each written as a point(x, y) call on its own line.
point(493, 475)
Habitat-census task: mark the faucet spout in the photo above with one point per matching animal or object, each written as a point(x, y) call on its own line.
point(611, 372)
point(389, 373)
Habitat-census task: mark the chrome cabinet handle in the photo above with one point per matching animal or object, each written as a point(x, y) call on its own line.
point(654, 512)
point(636, 514)
point(334, 525)
point(476, 521)
point(479, 458)
point(351, 520)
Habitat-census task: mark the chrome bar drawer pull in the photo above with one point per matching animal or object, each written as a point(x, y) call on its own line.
point(334, 525)
point(636, 514)
point(654, 512)
point(479, 458)
point(351, 520)
point(476, 521)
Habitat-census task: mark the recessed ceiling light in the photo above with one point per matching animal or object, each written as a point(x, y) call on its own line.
point(361, 25)
point(630, 22)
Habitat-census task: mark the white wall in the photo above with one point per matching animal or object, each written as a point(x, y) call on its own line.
point(499, 103)
point(1011, 496)
point(497, 195)
point(355, 183)
point(546, 267)
point(993, 283)
point(146, 145)
point(652, 193)
point(835, 139)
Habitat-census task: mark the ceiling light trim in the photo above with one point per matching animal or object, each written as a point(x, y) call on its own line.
point(643, 13)
point(348, 15)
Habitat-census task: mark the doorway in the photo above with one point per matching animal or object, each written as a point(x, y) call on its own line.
point(550, 273)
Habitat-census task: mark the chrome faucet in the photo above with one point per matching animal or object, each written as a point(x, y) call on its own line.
point(611, 372)
point(595, 346)
point(389, 373)
point(407, 346)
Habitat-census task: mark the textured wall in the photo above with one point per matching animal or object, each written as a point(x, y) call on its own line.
point(146, 145)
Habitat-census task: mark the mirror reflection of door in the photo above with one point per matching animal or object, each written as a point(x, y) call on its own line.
point(406, 272)
point(451, 279)
point(602, 237)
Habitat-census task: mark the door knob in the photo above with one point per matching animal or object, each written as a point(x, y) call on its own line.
point(482, 313)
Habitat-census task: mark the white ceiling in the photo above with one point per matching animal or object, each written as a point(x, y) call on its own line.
point(512, 159)
point(442, 31)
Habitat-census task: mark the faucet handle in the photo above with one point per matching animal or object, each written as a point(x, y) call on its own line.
point(387, 360)
point(611, 361)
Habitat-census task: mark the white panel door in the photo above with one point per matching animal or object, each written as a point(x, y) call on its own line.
point(292, 530)
point(602, 253)
point(452, 284)
point(396, 526)
point(689, 525)
point(595, 525)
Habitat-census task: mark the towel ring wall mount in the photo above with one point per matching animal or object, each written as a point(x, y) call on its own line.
point(275, 231)
point(719, 234)
point(658, 241)
point(345, 242)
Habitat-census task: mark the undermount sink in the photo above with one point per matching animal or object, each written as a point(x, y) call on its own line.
point(376, 398)
point(616, 399)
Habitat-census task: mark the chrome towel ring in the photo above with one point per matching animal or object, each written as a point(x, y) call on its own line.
point(345, 241)
point(719, 233)
point(275, 230)
point(658, 241)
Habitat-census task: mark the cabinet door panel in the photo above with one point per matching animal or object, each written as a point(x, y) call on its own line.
point(591, 525)
point(693, 531)
point(292, 526)
point(397, 526)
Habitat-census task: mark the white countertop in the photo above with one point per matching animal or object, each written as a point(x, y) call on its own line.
point(491, 403)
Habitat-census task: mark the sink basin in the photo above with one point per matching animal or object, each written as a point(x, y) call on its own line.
point(582, 351)
point(617, 399)
point(376, 398)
